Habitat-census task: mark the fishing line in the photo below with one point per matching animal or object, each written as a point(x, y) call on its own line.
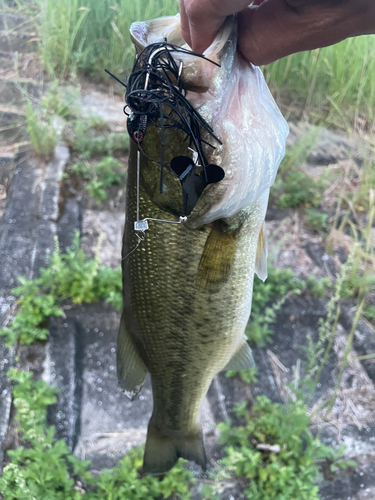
point(115, 77)
point(141, 236)
point(141, 225)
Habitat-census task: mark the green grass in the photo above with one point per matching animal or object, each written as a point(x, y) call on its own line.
point(336, 82)
point(269, 297)
point(43, 469)
point(91, 137)
point(43, 136)
point(86, 36)
point(89, 36)
point(71, 276)
point(293, 188)
point(275, 453)
point(101, 175)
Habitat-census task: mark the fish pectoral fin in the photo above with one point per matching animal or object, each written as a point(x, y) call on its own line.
point(241, 360)
point(131, 370)
point(162, 451)
point(217, 260)
point(261, 254)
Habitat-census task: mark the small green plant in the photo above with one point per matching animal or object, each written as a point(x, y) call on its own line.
point(59, 27)
point(275, 452)
point(248, 376)
point(92, 138)
point(293, 188)
point(358, 283)
point(101, 176)
point(280, 285)
point(87, 36)
point(321, 84)
point(369, 312)
point(44, 469)
point(297, 189)
point(316, 220)
point(268, 298)
point(62, 101)
point(71, 276)
point(361, 280)
point(43, 135)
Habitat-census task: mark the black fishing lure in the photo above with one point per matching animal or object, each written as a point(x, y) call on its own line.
point(155, 84)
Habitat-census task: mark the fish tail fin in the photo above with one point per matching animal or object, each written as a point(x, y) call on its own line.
point(162, 452)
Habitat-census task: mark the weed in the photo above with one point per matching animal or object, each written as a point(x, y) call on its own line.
point(369, 312)
point(60, 30)
point(43, 135)
point(316, 220)
point(101, 176)
point(70, 276)
point(357, 284)
point(334, 83)
point(293, 188)
point(44, 468)
point(361, 280)
point(90, 139)
point(62, 102)
point(280, 285)
point(321, 349)
point(107, 172)
point(90, 36)
point(248, 376)
point(275, 453)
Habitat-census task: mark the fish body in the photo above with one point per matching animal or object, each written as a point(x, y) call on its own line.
point(188, 287)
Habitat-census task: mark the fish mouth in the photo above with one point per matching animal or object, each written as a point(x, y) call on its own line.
point(192, 183)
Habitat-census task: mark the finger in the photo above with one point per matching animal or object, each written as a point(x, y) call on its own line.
point(206, 17)
point(203, 33)
point(185, 29)
point(273, 30)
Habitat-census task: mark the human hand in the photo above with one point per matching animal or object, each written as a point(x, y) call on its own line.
point(271, 29)
point(201, 19)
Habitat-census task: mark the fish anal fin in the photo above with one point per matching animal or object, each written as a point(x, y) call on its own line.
point(217, 260)
point(242, 359)
point(131, 370)
point(261, 254)
point(162, 451)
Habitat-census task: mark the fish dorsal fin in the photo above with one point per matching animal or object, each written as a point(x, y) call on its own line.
point(261, 254)
point(242, 359)
point(131, 370)
point(217, 260)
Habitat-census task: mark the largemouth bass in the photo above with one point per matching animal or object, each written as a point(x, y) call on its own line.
point(188, 287)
